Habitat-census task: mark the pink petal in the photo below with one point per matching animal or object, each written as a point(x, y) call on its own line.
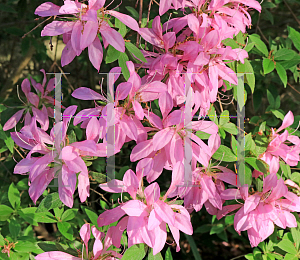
point(152, 193)
point(123, 90)
point(68, 54)
point(125, 19)
point(76, 37)
point(12, 122)
point(85, 234)
point(57, 28)
point(110, 216)
point(96, 53)
point(287, 121)
point(134, 208)
point(89, 34)
point(139, 112)
point(40, 183)
point(86, 94)
point(165, 212)
point(251, 203)
point(96, 4)
point(47, 9)
point(93, 129)
point(162, 138)
point(131, 182)
point(26, 86)
point(56, 255)
point(113, 37)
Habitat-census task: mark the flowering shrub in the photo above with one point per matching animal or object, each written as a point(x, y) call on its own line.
point(162, 111)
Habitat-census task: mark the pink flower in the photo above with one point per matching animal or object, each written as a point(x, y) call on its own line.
point(277, 147)
point(147, 215)
point(82, 33)
point(99, 249)
point(67, 158)
point(37, 104)
point(261, 210)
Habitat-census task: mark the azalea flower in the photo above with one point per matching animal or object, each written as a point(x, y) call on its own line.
point(277, 148)
point(146, 215)
point(67, 158)
point(37, 104)
point(262, 209)
point(100, 250)
point(82, 31)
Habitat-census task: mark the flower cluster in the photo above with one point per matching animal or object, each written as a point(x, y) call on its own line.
point(184, 72)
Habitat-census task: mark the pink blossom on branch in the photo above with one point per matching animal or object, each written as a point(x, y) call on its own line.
point(82, 31)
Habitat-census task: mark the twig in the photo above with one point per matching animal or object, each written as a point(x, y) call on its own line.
point(19, 152)
point(36, 27)
point(262, 34)
point(140, 22)
point(293, 88)
point(293, 14)
point(100, 195)
point(221, 106)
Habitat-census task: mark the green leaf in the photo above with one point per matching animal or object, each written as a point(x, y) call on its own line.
point(45, 217)
point(259, 44)
point(158, 256)
point(91, 214)
point(295, 37)
point(284, 54)
point(14, 228)
point(65, 229)
point(50, 202)
point(69, 214)
point(268, 65)
point(257, 164)
point(192, 243)
point(296, 236)
point(203, 229)
point(230, 128)
point(23, 184)
point(122, 63)
point(277, 113)
point(234, 144)
point(135, 51)
point(281, 73)
point(225, 154)
point(29, 215)
point(286, 169)
point(230, 42)
point(270, 98)
point(47, 246)
point(287, 246)
point(216, 229)
point(99, 177)
point(136, 252)
point(5, 212)
point(224, 117)
point(14, 196)
point(249, 257)
point(290, 257)
point(250, 76)
point(25, 246)
point(10, 144)
point(112, 54)
point(245, 174)
point(133, 12)
point(203, 135)
point(288, 64)
point(121, 26)
point(72, 136)
point(168, 255)
point(58, 212)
